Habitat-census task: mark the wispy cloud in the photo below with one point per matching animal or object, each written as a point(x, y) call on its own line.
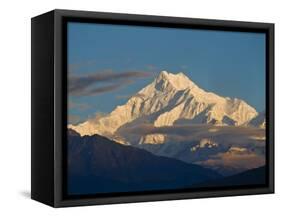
point(78, 106)
point(235, 160)
point(223, 134)
point(107, 88)
point(101, 82)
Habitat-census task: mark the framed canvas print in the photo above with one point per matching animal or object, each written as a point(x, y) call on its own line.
point(130, 108)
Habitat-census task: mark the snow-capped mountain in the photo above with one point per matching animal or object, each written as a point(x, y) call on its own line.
point(171, 99)
point(174, 117)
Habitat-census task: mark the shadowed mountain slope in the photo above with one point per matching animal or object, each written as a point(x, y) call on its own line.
point(98, 165)
point(255, 176)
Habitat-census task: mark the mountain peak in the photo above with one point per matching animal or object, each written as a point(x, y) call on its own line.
point(163, 73)
point(170, 99)
point(179, 81)
point(167, 75)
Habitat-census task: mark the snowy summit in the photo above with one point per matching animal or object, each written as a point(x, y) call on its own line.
point(170, 99)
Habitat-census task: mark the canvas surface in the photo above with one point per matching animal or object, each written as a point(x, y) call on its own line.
point(154, 108)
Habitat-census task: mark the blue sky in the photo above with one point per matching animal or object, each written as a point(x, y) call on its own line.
point(228, 63)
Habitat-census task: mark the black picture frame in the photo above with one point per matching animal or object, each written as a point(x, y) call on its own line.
point(49, 105)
